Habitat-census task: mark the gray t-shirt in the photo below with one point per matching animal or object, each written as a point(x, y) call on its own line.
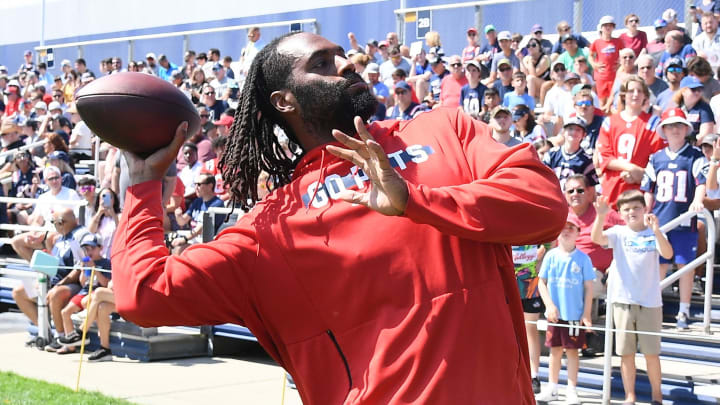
point(514, 61)
point(635, 273)
point(513, 141)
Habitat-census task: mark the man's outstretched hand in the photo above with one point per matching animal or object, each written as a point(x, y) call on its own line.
point(156, 165)
point(388, 193)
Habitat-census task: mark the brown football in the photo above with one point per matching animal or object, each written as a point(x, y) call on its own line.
point(135, 111)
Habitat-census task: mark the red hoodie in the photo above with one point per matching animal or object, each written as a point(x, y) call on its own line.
point(359, 307)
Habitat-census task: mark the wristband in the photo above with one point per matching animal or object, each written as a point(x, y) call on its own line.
point(714, 162)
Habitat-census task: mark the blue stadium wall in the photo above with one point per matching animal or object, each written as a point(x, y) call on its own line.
point(82, 20)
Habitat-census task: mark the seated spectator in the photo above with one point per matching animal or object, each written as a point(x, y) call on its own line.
point(582, 68)
point(627, 68)
point(451, 85)
point(707, 43)
point(555, 85)
point(395, 62)
point(506, 53)
point(583, 99)
point(646, 71)
point(518, 95)
point(570, 158)
point(25, 184)
point(216, 106)
point(699, 113)
point(92, 258)
point(572, 53)
point(65, 283)
point(26, 243)
point(87, 187)
point(439, 73)
point(205, 190)
point(61, 160)
point(192, 168)
point(381, 91)
point(221, 82)
point(472, 94)
point(559, 102)
point(536, 67)
point(674, 48)
point(472, 50)
point(100, 309)
point(10, 136)
point(404, 108)
point(700, 68)
point(166, 68)
point(711, 149)
point(491, 99)
point(503, 84)
point(656, 47)
point(491, 47)
point(500, 123)
point(634, 38)
point(674, 74)
point(671, 17)
point(197, 82)
point(105, 219)
point(526, 128)
point(420, 74)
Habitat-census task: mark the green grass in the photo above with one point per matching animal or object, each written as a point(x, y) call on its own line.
point(18, 390)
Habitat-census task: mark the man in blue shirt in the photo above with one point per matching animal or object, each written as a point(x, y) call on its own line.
point(206, 198)
point(166, 68)
point(404, 108)
point(471, 94)
point(674, 48)
point(379, 88)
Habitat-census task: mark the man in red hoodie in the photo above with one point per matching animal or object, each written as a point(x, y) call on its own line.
point(379, 269)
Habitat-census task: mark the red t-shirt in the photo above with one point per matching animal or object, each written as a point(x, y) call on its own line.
point(607, 52)
point(630, 141)
point(600, 257)
point(470, 52)
point(211, 167)
point(450, 89)
point(636, 43)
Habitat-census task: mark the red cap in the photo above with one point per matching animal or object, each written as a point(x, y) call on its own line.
point(224, 120)
point(471, 29)
point(383, 43)
point(672, 116)
point(573, 219)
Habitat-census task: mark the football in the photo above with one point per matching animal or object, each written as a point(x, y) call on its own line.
point(136, 112)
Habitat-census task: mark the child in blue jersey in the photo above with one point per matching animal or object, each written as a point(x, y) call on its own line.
point(674, 183)
point(570, 158)
point(519, 95)
point(471, 94)
point(566, 285)
point(634, 285)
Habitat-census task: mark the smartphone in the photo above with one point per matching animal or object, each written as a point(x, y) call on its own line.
point(106, 200)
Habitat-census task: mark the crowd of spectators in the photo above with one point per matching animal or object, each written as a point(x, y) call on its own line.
point(593, 110)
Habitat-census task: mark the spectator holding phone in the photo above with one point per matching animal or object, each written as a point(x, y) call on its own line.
point(105, 220)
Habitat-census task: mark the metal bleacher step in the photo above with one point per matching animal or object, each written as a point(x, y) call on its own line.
point(682, 383)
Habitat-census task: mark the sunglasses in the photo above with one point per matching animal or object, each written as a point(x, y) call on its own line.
point(575, 191)
point(457, 64)
point(674, 69)
point(566, 29)
point(559, 69)
point(532, 46)
point(85, 189)
point(634, 20)
point(205, 115)
point(210, 93)
point(58, 221)
point(583, 103)
point(505, 69)
point(400, 91)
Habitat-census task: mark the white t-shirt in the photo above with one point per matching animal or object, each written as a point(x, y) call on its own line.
point(635, 273)
point(84, 135)
point(46, 204)
point(187, 176)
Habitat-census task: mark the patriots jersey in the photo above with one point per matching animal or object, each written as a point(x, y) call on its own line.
point(673, 177)
point(566, 164)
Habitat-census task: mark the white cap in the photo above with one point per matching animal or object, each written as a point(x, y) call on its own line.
point(65, 62)
point(606, 19)
point(372, 68)
point(54, 105)
point(40, 105)
point(150, 55)
point(504, 35)
point(669, 15)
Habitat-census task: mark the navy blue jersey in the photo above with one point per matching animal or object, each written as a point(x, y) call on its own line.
point(409, 113)
point(435, 82)
point(566, 164)
point(672, 177)
point(471, 99)
point(591, 134)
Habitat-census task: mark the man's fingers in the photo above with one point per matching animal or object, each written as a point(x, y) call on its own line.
point(361, 130)
point(379, 153)
point(353, 197)
point(348, 141)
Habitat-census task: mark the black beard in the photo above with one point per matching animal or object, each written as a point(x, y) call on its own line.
point(326, 106)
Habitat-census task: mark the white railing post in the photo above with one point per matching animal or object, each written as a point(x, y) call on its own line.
point(607, 352)
point(709, 270)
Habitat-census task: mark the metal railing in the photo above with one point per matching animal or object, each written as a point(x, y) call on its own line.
point(185, 34)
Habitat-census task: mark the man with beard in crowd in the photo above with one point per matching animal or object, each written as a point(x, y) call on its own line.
point(313, 271)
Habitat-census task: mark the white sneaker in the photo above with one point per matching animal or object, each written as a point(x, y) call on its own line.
point(79, 316)
point(546, 395)
point(571, 397)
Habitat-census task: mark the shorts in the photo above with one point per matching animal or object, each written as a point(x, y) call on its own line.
point(567, 338)
point(684, 244)
point(533, 305)
point(638, 318)
point(77, 300)
point(604, 88)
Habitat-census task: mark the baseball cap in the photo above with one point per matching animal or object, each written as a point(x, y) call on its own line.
point(475, 63)
point(566, 37)
point(489, 28)
point(150, 55)
point(504, 35)
point(572, 76)
point(402, 84)
point(535, 28)
point(60, 155)
point(660, 23)
point(217, 66)
point(383, 43)
point(691, 82)
point(11, 89)
point(54, 105)
point(671, 116)
point(9, 127)
point(574, 220)
point(675, 62)
point(40, 105)
point(372, 42)
point(499, 109)
point(580, 86)
point(669, 14)
point(433, 59)
point(27, 52)
point(225, 120)
point(472, 29)
point(577, 121)
point(372, 68)
point(606, 19)
point(504, 61)
point(436, 50)
point(519, 113)
point(65, 62)
point(89, 240)
point(709, 139)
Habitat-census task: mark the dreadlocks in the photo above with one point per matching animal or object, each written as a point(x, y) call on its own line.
point(252, 144)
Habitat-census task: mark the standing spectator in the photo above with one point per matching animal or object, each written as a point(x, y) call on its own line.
point(491, 47)
point(506, 53)
point(28, 65)
point(697, 110)
point(504, 82)
point(700, 68)
point(395, 62)
point(439, 73)
point(671, 17)
point(87, 190)
point(604, 55)
point(166, 68)
point(566, 286)
point(635, 285)
point(674, 74)
point(518, 95)
point(674, 183)
point(537, 33)
point(536, 67)
point(500, 122)
point(634, 38)
point(563, 28)
point(472, 50)
point(247, 55)
point(405, 108)
point(626, 141)
point(707, 43)
point(471, 94)
point(221, 82)
point(151, 63)
point(646, 71)
point(452, 84)
point(572, 52)
point(674, 48)
point(381, 91)
point(569, 158)
point(227, 64)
